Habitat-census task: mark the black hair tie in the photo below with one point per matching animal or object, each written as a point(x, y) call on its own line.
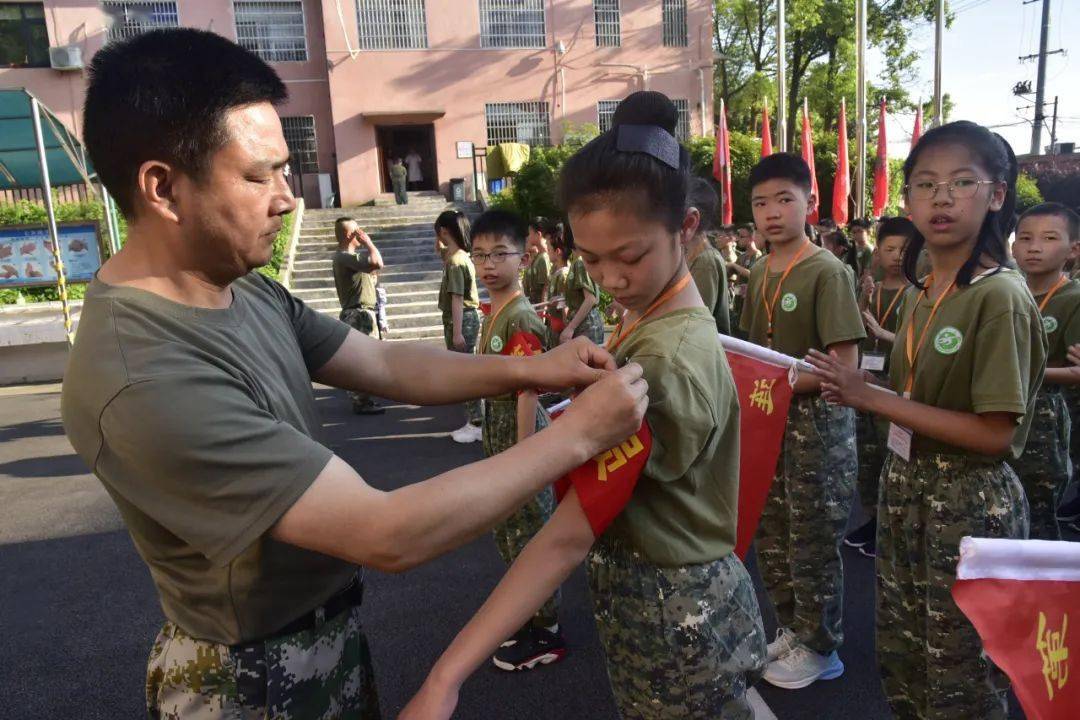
point(651, 140)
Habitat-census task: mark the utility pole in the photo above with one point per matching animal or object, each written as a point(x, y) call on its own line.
point(1040, 82)
point(781, 72)
point(860, 101)
point(1053, 129)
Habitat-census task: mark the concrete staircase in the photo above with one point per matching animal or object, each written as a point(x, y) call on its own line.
point(406, 240)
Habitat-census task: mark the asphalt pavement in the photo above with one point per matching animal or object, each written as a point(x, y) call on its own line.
point(78, 611)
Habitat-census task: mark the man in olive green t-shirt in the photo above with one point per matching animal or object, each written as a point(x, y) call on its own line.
point(355, 281)
point(189, 396)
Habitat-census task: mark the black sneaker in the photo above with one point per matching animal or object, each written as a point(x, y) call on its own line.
point(368, 408)
point(869, 549)
point(531, 647)
point(862, 535)
point(1070, 511)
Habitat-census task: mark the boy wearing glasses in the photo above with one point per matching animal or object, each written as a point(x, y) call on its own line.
point(514, 328)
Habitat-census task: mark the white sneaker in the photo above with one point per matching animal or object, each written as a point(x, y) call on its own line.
point(784, 643)
point(801, 667)
point(467, 434)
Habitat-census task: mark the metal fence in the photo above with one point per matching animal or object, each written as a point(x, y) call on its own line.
point(675, 28)
point(682, 127)
point(129, 18)
point(299, 131)
point(520, 122)
point(272, 30)
point(605, 110)
point(62, 193)
point(391, 24)
point(512, 24)
point(608, 31)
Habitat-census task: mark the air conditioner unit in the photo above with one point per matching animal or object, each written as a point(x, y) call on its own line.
point(66, 57)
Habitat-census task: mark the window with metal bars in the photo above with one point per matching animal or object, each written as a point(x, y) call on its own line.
point(682, 127)
point(392, 24)
point(24, 38)
point(272, 30)
point(520, 122)
point(128, 18)
point(605, 110)
point(608, 32)
point(675, 32)
point(512, 24)
point(300, 137)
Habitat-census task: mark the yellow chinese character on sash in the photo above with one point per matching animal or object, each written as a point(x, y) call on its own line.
point(1054, 654)
point(613, 459)
point(761, 398)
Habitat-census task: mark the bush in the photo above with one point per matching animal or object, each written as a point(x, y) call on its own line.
point(1027, 193)
point(281, 246)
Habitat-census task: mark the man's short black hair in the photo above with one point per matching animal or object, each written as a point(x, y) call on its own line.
point(781, 166)
point(1066, 213)
point(163, 95)
point(501, 224)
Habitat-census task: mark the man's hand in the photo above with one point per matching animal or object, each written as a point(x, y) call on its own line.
point(574, 364)
point(433, 701)
point(459, 342)
point(611, 409)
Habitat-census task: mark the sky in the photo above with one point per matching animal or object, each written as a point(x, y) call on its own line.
point(981, 66)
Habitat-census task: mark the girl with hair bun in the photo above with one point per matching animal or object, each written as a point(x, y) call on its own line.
point(967, 361)
point(674, 606)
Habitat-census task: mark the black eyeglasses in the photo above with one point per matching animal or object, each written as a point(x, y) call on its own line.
point(496, 257)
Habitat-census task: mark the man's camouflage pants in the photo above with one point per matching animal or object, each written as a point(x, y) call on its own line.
point(682, 643)
point(470, 330)
point(362, 320)
point(513, 534)
point(321, 673)
point(931, 660)
point(1044, 467)
point(802, 524)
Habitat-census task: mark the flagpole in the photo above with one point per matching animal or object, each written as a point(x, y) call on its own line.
point(719, 149)
point(781, 71)
point(860, 101)
point(939, 42)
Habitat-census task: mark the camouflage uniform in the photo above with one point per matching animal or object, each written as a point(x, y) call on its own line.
point(871, 436)
point(514, 533)
point(470, 329)
point(1072, 401)
point(320, 673)
point(803, 522)
point(682, 643)
point(931, 659)
point(592, 327)
point(1044, 467)
point(362, 320)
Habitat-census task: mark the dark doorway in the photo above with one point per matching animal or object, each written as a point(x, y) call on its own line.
point(398, 141)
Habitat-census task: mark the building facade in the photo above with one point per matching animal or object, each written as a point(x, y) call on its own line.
point(374, 79)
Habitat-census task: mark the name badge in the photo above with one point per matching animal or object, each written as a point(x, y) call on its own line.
point(900, 441)
point(874, 362)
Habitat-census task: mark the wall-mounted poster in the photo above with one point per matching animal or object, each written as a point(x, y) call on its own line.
point(464, 149)
point(26, 258)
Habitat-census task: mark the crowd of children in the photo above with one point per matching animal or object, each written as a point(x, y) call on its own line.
point(945, 361)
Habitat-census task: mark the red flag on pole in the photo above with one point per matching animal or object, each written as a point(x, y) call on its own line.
point(842, 179)
point(1019, 594)
point(722, 167)
point(808, 156)
point(917, 132)
point(881, 167)
point(766, 132)
point(762, 381)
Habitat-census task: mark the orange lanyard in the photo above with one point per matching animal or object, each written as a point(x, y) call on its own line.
point(1057, 286)
point(882, 318)
point(911, 349)
point(618, 336)
point(491, 323)
point(771, 308)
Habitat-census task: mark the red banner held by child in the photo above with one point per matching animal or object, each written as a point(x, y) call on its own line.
point(1019, 595)
point(523, 344)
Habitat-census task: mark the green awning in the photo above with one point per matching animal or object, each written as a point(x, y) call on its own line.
point(19, 167)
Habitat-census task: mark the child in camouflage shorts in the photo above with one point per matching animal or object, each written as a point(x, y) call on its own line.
point(514, 328)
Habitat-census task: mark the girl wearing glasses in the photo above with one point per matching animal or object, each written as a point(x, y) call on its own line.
point(967, 361)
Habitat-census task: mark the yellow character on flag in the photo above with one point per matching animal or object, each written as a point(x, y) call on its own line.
point(761, 397)
point(613, 459)
point(1054, 653)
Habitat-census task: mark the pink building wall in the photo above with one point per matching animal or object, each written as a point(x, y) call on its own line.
point(350, 95)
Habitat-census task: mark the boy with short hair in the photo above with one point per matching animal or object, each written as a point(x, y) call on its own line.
point(749, 252)
point(799, 297)
point(513, 328)
point(860, 233)
point(355, 265)
point(1047, 237)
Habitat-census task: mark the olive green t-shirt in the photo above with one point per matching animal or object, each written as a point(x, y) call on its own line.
point(985, 352)
point(1061, 321)
point(497, 329)
point(399, 173)
point(459, 278)
point(816, 307)
point(577, 282)
point(354, 280)
point(865, 258)
point(558, 281)
point(685, 506)
point(710, 275)
point(745, 260)
point(884, 304)
point(202, 426)
point(537, 276)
